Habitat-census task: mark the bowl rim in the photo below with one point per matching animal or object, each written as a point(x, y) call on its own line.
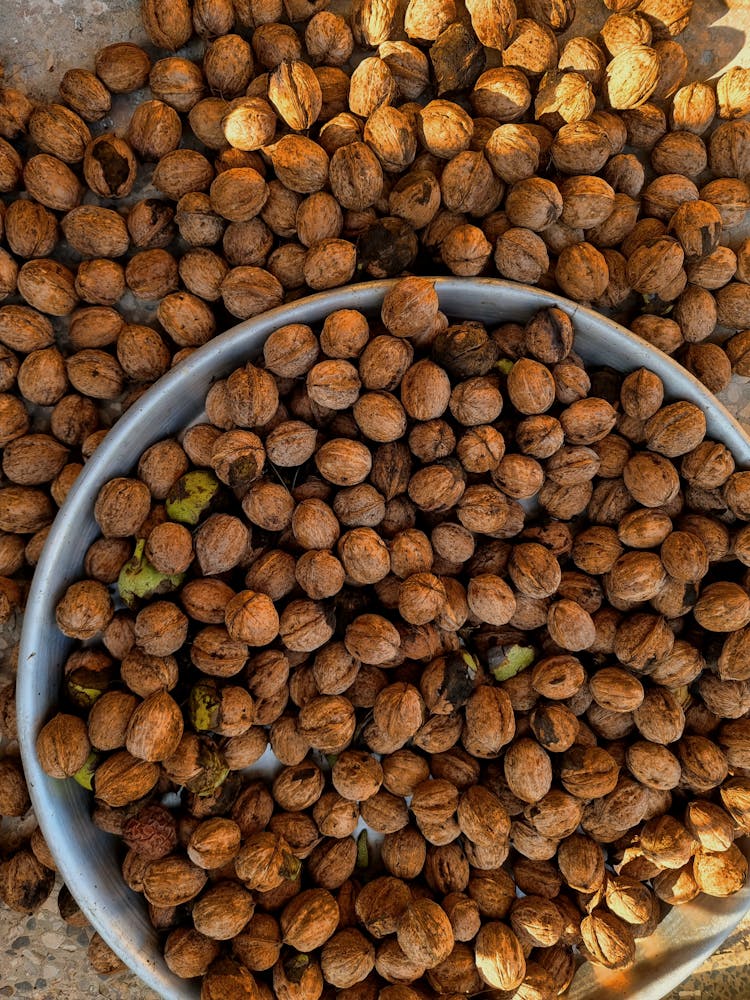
point(206, 360)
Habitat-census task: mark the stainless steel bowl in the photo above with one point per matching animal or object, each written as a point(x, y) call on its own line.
point(86, 857)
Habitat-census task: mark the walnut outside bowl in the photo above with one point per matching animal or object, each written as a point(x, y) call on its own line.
point(85, 856)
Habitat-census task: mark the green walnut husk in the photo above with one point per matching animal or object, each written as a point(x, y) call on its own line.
point(204, 706)
point(191, 496)
point(213, 770)
point(85, 774)
point(84, 686)
point(138, 580)
point(295, 966)
point(363, 851)
point(507, 661)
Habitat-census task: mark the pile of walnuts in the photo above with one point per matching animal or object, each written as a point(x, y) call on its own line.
point(281, 148)
point(463, 698)
point(277, 167)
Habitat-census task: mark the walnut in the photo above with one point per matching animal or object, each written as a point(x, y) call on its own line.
point(704, 765)
point(14, 796)
point(155, 130)
point(410, 307)
point(513, 152)
point(720, 873)
point(521, 256)
point(371, 21)
point(693, 108)
point(675, 429)
point(731, 93)
point(582, 272)
point(733, 305)
point(445, 129)
point(155, 728)
point(60, 132)
point(15, 111)
point(728, 149)
point(654, 264)
point(581, 147)
point(723, 607)
point(180, 172)
point(294, 91)
point(708, 466)
point(667, 17)
point(730, 198)
point(223, 910)
point(501, 94)
point(608, 940)
point(85, 94)
point(151, 832)
point(327, 723)
point(168, 26)
point(372, 87)
point(343, 462)
point(651, 479)
point(536, 921)
point(356, 176)
point(25, 883)
point(735, 492)
point(532, 48)
point(228, 66)
point(685, 557)
point(457, 58)
point(712, 827)
point(225, 976)
point(499, 956)
point(528, 770)
point(465, 250)
point(679, 153)
point(424, 933)
point(172, 880)
point(380, 905)
point(347, 958)
point(123, 67)
point(563, 97)
point(534, 203)
point(122, 779)
point(189, 953)
point(676, 886)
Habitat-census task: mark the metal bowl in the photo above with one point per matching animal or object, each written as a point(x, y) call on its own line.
point(86, 857)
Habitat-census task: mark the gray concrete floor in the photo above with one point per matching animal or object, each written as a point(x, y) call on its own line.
point(40, 39)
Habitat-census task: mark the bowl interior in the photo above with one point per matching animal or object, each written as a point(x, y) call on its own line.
point(86, 857)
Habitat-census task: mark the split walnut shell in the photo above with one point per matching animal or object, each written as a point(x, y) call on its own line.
point(109, 167)
point(294, 91)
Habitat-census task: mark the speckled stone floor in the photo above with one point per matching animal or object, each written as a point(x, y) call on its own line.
point(39, 39)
